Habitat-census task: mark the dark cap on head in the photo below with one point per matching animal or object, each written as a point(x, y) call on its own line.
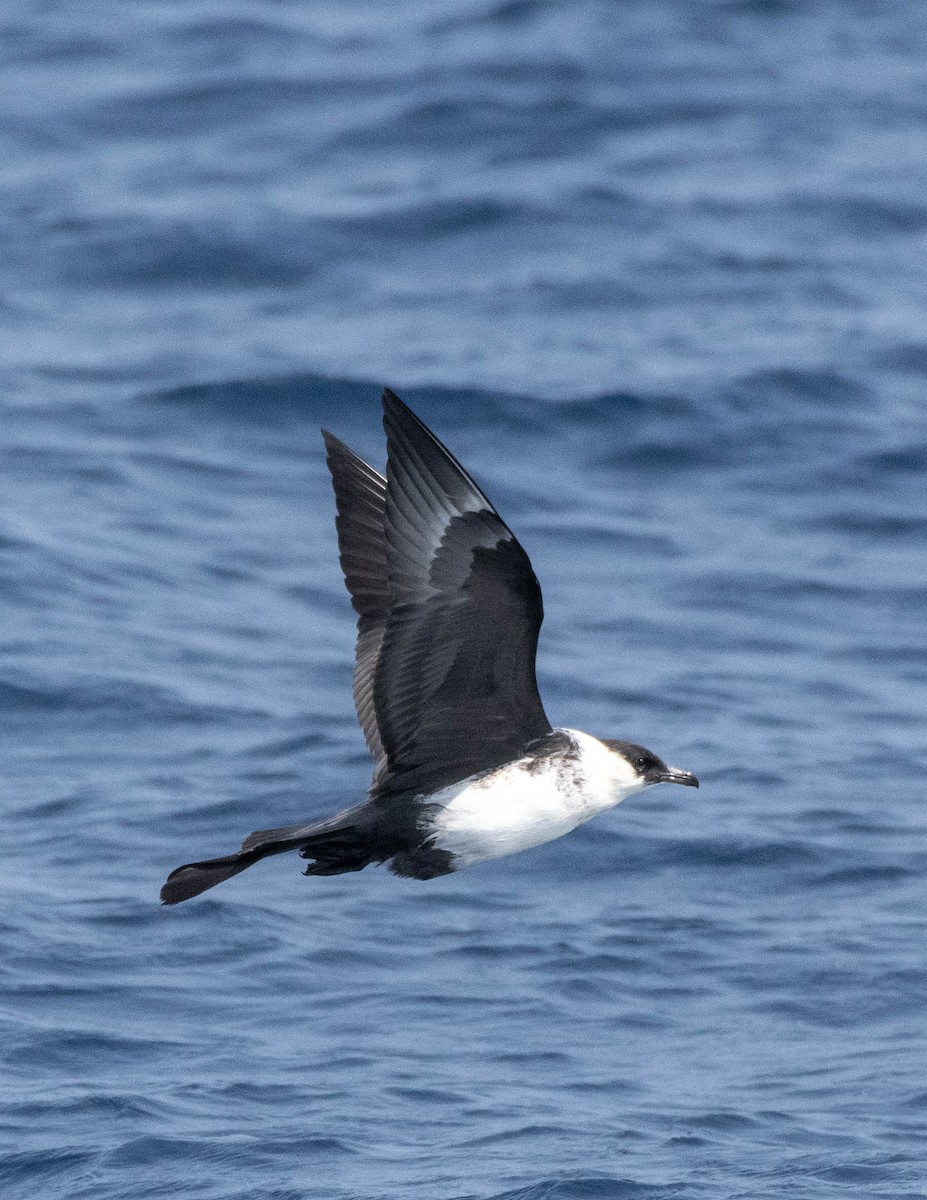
point(651, 768)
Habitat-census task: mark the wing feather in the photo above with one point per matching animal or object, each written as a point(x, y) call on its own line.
point(449, 612)
point(360, 495)
point(454, 688)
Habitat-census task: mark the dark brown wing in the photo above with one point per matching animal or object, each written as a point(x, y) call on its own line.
point(454, 688)
point(360, 494)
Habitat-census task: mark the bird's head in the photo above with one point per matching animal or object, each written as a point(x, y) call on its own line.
point(644, 768)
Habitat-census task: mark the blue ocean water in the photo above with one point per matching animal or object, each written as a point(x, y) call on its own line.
point(656, 272)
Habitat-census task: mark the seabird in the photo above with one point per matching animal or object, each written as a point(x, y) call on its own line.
point(467, 765)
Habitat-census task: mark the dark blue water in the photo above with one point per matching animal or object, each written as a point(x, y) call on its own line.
point(656, 271)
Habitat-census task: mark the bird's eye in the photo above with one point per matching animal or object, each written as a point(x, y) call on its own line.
point(642, 764)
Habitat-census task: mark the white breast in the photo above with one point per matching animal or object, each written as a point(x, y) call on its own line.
point(529, 801)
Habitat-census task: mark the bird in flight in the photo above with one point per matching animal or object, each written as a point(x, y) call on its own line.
point(467, 765)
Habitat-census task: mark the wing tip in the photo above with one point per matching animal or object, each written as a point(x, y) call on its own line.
point(408, 435)
point(398, 412)
point(332, 443)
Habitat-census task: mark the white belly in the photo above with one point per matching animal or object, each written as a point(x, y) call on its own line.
point(529, 801)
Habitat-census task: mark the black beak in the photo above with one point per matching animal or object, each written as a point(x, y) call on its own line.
point(674, 775)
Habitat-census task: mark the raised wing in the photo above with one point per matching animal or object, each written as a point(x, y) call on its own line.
point(360, 494)
point(454, 688)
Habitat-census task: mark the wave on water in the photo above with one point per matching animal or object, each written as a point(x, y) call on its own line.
point(654, 272)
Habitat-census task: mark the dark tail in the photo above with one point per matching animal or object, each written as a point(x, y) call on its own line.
point(337, 845)
point(193, 878)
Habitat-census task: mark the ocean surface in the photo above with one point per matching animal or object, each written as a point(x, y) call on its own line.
point(657, 272)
